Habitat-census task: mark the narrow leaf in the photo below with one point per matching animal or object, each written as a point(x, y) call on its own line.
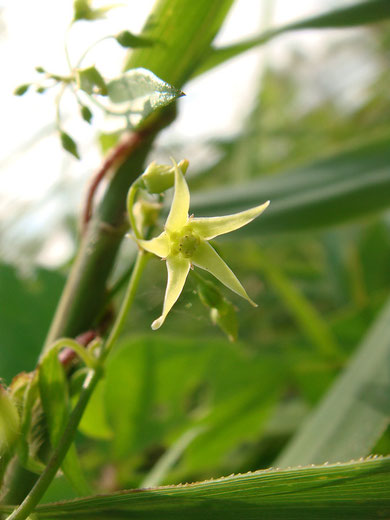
point(9, 422)
point(358, 490)
point(349, 185)
point(311, 322)
point(185, 29)
point(356, 410)
point(359, 14)
point(55, 402)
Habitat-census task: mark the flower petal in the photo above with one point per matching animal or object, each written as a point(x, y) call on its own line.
point(210, 227)
point(207, 258)
point(178, 268)
point(158, 246)
point(178, 214)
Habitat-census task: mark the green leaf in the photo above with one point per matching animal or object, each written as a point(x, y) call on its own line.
point(94, 421)
point(144, 406)
point(83, 10)
point(311, 322)
point(55, 402)
point(129, 40)
point(86, 114)
point(9, 423)
point(331, 191)
point(69, 145)
point(26, 317)
point(356, 490)
point(107, 141)
point(54, 395)
point(359, 14)
point(355, 411)
point(91, 81)
point(138, 92)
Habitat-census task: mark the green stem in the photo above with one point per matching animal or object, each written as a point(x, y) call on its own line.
point(130, 204)
point(81, 351)
point(139, 266)
point(91, 380)
point(92, 46)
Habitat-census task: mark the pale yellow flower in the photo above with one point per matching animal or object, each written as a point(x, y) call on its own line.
point(184, 243)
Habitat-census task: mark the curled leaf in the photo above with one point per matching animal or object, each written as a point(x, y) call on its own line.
point(137, 93)
point(129, 40)
point(91, 81)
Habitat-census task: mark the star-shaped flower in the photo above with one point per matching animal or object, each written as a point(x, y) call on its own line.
point(184, 243)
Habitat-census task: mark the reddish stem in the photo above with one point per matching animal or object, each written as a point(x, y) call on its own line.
point(67, 355)
point(125, 147)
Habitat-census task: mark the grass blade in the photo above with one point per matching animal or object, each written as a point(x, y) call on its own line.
point(349, 185)
point(355, 412)
point(359, 14)
point(358, 491)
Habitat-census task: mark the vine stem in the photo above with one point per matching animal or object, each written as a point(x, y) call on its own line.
point(92, 378)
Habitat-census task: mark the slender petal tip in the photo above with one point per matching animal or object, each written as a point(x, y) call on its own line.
point(157, 323)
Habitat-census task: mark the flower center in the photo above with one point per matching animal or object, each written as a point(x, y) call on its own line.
point(184, 243)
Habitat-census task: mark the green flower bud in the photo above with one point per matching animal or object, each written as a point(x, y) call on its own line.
point(209, 294)
point(22, 89)
point(146, 213)
point(225, 317)
point(158, 178)
point(222, 311)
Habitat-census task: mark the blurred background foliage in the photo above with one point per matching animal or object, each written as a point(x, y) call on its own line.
point(186, 397)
